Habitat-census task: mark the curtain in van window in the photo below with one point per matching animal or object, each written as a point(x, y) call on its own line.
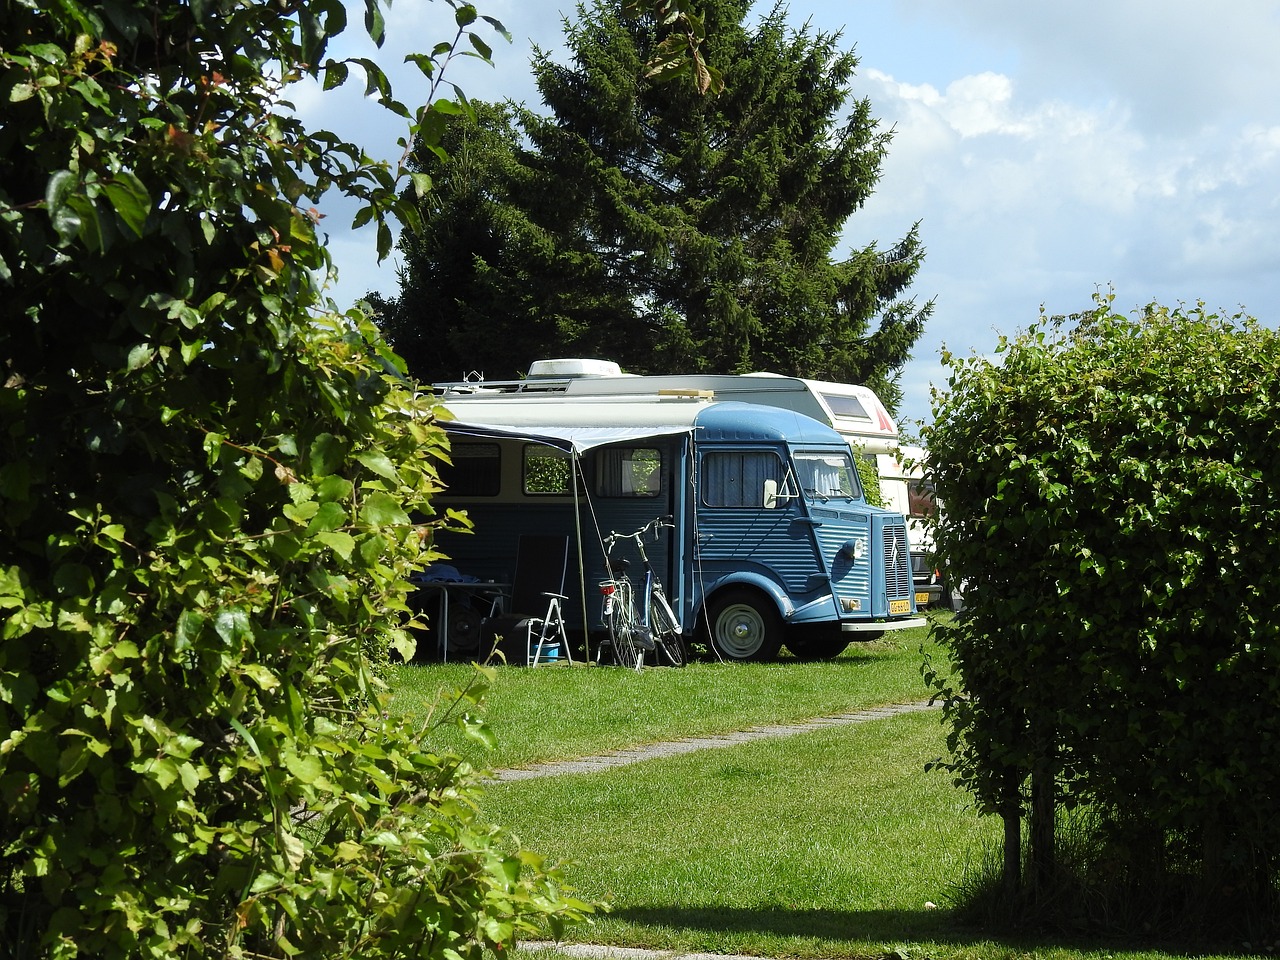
point(609, 464)
point(628, 472)
point(736, 479)
point(824, 478)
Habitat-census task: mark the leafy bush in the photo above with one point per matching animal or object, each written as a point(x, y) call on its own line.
point(209, 482)
point(869, 475)
point(1110, 502)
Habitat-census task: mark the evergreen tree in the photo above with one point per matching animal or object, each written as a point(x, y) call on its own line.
point(487, 284)
point(669, 230)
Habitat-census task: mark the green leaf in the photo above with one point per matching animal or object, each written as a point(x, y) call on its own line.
point(260, 675)
point(189, 775)
point(421, 184)
point(190, 623)
point(335, 74)
point(450, 108)
point(163, 770)
point(233, 626)
point(374, 23)
point(341, 543)
point(382, 509)
point(497, 25)
point(128, 196)
point(141, 355)
point(92, 232)
point(328, 516)
point(301, 512)
point(327, 454)
point(334, 488)
point(294, 849)
point(379, 463)
point(65, 220)
point(483, 49)
point(306, 769)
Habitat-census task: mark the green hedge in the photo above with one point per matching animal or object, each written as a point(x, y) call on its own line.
point(213, 490)
point(1111, 490)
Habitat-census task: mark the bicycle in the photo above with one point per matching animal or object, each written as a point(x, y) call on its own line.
point(653, 626)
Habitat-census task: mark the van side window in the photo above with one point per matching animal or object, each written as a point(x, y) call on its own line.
point(547, 470)
point(476, 470)
point(736, 478)
point(629, 472)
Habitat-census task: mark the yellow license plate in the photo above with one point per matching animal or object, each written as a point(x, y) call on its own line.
point(899, 606)
point(922, 599)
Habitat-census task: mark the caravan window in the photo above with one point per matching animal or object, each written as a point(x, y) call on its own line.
point(476, 470)
point(547, 470)
point(737, 478)
point(844, 406)
point(629, 472)
point(920, 499)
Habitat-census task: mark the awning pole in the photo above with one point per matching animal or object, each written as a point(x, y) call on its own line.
point(582, 566)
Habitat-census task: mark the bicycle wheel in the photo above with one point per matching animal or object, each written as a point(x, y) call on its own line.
point(626, 652)
point(666, 632)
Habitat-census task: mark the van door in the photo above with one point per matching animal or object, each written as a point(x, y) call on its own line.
point(751, 524)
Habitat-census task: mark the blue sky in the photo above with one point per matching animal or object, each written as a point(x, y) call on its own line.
point(1047, 150)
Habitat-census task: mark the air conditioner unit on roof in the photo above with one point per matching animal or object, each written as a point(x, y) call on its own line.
point(573, 368)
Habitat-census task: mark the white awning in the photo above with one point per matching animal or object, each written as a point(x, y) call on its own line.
point(578, 438)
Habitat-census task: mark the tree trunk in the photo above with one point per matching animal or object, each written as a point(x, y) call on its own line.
point(1011, 814)
point(1212, 861)
point(1012, 849)
point(1043, 813)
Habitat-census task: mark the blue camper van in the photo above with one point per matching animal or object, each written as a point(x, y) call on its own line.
point(772, 543)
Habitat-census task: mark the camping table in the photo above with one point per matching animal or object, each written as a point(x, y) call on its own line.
point(444, 588)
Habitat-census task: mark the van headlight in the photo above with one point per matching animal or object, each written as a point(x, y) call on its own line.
point(854, 549)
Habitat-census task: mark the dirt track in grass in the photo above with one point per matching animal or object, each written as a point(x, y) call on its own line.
point(671, 748)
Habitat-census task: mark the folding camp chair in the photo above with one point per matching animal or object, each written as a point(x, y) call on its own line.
point(537, 595)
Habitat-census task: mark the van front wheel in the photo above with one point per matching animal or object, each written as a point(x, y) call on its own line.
point(744, 625)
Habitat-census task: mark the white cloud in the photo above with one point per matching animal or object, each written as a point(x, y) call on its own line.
point(1180, 64)
point(1028, 199)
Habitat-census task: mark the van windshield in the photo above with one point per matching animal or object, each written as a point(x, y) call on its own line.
point(827, 475)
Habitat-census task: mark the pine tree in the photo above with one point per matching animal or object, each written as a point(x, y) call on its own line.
point(486, 285)
point(669, 230)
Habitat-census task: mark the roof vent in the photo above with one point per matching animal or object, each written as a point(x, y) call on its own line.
point(546, 369)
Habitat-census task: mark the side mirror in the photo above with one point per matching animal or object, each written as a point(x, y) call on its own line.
point(770, 494)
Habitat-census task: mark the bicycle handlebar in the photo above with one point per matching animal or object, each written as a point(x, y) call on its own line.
point(653, 525)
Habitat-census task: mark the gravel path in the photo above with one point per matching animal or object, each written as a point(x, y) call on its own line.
point(588, 951)
point(619, 758)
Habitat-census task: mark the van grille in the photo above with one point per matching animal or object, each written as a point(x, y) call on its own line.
point(897, 561)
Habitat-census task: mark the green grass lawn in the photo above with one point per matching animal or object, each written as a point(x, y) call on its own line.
point(832, 843)
point(549, 713)
point(828, 843)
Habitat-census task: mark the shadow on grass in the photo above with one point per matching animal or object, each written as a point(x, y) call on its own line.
point(898, 926)
point(857, 654)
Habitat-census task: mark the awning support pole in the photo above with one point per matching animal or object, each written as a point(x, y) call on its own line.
point(582, 566)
